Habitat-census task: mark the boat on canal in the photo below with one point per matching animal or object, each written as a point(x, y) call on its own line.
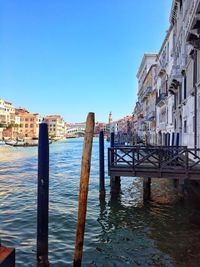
point(14, 143)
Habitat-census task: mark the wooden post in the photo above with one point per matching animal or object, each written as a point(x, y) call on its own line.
point(101, 166)
point(43, 196)
point(146, 188)
point(83, 193)
point(115, 184)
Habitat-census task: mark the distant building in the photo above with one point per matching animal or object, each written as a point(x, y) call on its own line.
point(99, 126)
point(29, 123)
point(7, 113)
point(144, 113)
point(56, 125)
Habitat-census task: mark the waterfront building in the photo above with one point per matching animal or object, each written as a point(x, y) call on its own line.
point(177, 80)
point(185, 77)
point(144, 112)
point(99, 126)
point(29, 123)
point(56, 125)
point(7, 113)
point(165, 95)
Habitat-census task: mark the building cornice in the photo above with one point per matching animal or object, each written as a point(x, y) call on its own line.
point(146, 55)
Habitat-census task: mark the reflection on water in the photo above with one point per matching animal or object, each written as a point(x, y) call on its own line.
point(120, 231)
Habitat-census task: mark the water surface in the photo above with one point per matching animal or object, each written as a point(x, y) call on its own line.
point(120, 231)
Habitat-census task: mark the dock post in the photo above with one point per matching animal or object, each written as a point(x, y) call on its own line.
point(43, 197)
point(83, 193)
point(146, 188)
point(115, 184)
point(101, 166)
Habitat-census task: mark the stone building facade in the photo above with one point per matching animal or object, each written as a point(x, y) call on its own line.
point(177, 85)
point(177, 81)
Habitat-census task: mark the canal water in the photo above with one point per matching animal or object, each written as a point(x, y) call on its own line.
point(119, 232)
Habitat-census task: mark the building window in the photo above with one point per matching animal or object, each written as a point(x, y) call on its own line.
point(185, 126)
point(26, 119)
point(26, 125)
point(31, 125)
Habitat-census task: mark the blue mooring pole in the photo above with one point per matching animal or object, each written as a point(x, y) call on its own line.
point(101, 166)
point(112, 143)
point(43, 196)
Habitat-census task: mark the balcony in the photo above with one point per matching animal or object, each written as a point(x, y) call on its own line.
point(147, 93)
point(175, 79)
point(160, 100)
point(161, 69)
point(194, 24)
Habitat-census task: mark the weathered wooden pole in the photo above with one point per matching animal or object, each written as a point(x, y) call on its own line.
point(101, 166)
point(43, 197)
point(83, 193)
point(146, 188)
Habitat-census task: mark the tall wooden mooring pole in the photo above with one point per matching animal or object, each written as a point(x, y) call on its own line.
point(83, 193)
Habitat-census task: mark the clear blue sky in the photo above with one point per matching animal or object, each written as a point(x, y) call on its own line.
point(70, 57)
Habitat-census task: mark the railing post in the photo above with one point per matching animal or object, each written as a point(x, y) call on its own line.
point(101, 165)
point(133, 155)
point(187, 161)
point(43, 196)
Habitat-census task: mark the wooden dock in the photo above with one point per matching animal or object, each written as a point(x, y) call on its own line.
point(154, 161)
